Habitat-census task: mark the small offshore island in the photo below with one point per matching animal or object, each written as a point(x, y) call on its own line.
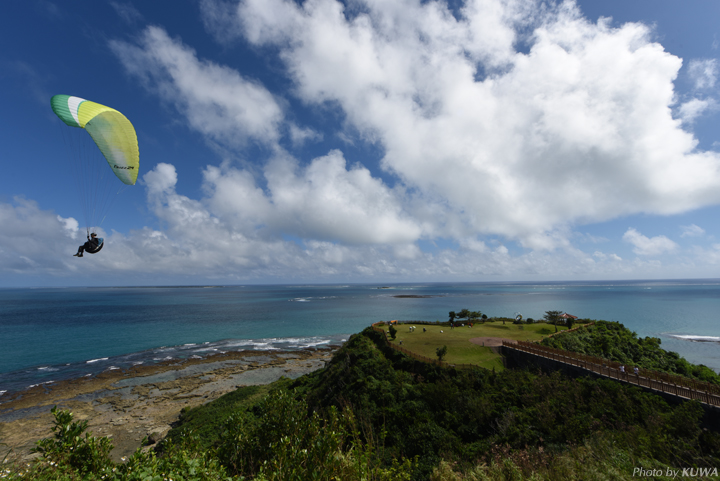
point(369, 411)
point(412, 296)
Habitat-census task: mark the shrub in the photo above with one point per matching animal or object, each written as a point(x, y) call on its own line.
point(393, 332)
point(441, 352)
point(86, 454)
point(184, 460)
point(207, 421)
point(279, 440)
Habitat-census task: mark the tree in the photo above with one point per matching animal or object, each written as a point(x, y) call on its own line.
point(475, 315)
point(452, 317)
point(553, 317)
point(393, 332)
point(464, 314)
point(441, 352)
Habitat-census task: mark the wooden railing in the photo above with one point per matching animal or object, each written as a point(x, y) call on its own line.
point(660, 381)
point(407, 352)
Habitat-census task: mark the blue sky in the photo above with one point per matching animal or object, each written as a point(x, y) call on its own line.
point(368, 141)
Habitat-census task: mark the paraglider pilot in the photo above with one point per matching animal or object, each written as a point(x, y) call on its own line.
point(92, 245)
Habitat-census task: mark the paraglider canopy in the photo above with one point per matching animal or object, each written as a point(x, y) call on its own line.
point(111, 131)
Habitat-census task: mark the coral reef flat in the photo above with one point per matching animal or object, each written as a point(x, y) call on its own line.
point(146, 399)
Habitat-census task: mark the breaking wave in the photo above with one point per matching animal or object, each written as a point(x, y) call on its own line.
point(694, 338)
point(12, 382)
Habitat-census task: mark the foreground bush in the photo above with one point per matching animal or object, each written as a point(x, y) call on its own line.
point(281, 440)
point(74, 454)
point(83, 454)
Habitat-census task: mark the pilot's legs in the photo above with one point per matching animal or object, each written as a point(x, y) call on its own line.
point(81, 249)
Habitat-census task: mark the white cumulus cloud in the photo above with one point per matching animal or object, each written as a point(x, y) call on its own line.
point(694, 108)
point(328, 201)
point(692, 230)
point(36, 241)
point(579, 129)
point(217, 101)
point(703, 73)
point(648, 246)
point(299, 135)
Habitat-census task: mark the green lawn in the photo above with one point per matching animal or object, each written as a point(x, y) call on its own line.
point(460, 349)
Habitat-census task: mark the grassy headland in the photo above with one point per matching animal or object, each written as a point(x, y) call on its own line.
point(426, 338)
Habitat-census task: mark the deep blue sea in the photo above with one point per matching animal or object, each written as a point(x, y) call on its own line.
point(52, 334)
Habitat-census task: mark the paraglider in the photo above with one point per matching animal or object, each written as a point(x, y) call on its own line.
point(115, 137)
point(92, 246)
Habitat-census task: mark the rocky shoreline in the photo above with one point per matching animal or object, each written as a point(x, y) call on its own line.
point(144, 400)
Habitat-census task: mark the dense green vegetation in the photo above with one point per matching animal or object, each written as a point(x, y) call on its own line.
point(376, 414)
point(613, 341)
point(206, 421)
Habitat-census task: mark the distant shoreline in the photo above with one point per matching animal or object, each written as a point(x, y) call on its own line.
point(160, 287)
point(413, 296)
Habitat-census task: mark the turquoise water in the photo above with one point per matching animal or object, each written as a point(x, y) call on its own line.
point(52, 334)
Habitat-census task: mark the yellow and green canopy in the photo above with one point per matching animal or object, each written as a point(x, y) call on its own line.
point(112, 132)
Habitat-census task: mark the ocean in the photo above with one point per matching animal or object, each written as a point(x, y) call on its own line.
point(51, 334)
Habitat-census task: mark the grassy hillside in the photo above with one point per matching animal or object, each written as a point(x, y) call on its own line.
point(460, 349)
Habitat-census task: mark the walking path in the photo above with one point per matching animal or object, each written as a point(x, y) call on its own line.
point(489, 341)
point(494, 343)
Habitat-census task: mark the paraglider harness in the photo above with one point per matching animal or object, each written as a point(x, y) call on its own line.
point(97, 249)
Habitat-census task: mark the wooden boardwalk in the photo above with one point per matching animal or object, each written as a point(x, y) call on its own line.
point(679, 386)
